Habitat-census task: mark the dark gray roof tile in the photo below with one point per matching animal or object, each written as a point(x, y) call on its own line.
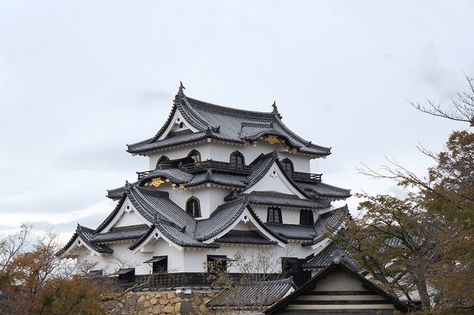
point(224, 123)
point(326, 257)
point(121, 233)
point(293, 231)
point(324, 190)
point(252, 294)
point(220, 219)
point(287, 200)
point(329, 222)
point(244, 237)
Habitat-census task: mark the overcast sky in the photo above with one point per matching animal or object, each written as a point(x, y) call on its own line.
point(80, 79)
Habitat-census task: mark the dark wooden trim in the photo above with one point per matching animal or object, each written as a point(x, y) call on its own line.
point(340, 302)
point(339, 293)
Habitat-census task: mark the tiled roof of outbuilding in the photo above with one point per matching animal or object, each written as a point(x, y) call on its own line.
point(326, 257)
point(225, 123)
point(262, 293)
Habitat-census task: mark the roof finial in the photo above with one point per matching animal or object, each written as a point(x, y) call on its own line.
point(275, 109)
point(181, 88)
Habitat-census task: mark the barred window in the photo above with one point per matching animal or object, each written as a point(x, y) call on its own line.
point(237, 158)
point(193, 207)
point(274, 215)
point(288, 166)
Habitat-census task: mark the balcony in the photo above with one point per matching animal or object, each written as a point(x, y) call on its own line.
point(306, 177)
point(226, 167)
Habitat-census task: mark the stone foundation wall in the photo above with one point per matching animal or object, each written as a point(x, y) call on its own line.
point(160, 302)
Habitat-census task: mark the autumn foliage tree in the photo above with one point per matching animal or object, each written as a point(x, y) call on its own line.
point(35, 281)
point(422, 246)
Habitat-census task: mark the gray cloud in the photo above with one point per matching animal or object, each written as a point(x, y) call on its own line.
point(77, 84)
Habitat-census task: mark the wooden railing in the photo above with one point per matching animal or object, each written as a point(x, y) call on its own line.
point(216, 165)
point(143, 174)
point(203, 166)
point(306, 177)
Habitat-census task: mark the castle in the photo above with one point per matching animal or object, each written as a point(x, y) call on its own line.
point(221, 182)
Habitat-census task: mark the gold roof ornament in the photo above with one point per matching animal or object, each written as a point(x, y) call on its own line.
point(272, 139)
point(156, 182)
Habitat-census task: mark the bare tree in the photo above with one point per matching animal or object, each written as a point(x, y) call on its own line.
point(249, 291)
point(461, 107)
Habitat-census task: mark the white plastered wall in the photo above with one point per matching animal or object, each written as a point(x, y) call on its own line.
point(221, 152)
point(122, 257)
point(209, 198)
point(159, 247)
point(274, 180)
point(289, 215)
point(195, 260)
point(126, 216)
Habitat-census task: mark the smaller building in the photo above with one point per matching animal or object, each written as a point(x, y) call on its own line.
point(339, 289)
point(252, 296)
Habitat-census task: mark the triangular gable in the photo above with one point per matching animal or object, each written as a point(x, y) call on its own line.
point(152, 235)
point(77, 243)
point(125, 214)
point(277, 180)
point(338, 288)
point(248, 217)
point(177, 123)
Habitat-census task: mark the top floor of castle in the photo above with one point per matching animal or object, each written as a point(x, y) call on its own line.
point(197, 132)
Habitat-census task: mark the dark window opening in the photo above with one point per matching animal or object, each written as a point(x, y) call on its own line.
point(193, 207)
point(161, 160)
point(306, 217)
point(289, 265)
point(159, 264)
point(293, 267)
point(126, 275)
point(288, 166)
point(217, 263)
point(237, 158)
point(181, 124)
point(194, 156)
point(274, 215)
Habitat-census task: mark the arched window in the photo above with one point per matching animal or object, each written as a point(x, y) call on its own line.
point(193, 207)
point(194, 156)
point(306, 217)
point(288, 166)
point(161, 160)
point(274, 215)
point(237, 158)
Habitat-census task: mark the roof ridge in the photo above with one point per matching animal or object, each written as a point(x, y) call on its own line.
point(230, 110)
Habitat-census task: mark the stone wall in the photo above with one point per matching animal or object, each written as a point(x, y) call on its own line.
point(160, 302)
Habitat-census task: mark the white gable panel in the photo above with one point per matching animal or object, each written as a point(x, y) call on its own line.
point(175, 125)
point(275, 180)
point(247, 219)
point(126, 216)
